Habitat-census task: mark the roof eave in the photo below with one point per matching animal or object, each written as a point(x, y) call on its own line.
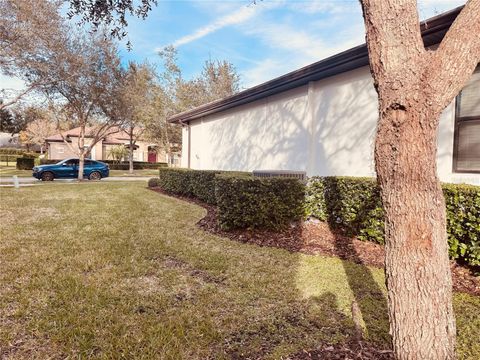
point(432, 31)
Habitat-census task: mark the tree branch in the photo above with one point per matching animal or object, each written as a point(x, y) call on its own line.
point(18, 97)
point(394, 39)
point(457, 55)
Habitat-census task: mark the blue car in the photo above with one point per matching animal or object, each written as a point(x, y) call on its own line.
point(68, 169)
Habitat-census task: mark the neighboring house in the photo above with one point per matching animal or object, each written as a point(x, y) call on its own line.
point(322, 119)
point(143, 150)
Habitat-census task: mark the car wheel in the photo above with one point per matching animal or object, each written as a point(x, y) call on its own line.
point(95, 176)
point(47, 176)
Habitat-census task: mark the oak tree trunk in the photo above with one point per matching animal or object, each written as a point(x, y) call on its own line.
point(417, 266)
point(414, 85)
point(81, 163)
point(130, 152)
point(81, 155)
point(130, 158)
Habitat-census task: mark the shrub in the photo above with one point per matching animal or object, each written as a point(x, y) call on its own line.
point(12, 151)
point(153, 182)
point(176, 181)
point(251, 202)
point(463, 222)
point(353, 205)
point(25, 163)
point(199, 184)
point(137, 165)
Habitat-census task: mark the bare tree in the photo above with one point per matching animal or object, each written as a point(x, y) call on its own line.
point(40, 127)
point(217, 80)
point(414, 85)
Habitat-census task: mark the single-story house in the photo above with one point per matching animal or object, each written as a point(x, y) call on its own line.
point(143, 150)
point(321, 119)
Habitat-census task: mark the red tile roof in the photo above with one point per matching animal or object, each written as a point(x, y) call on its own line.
point(116, 136)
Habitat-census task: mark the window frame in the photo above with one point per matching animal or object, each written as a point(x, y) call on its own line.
point(456, 134)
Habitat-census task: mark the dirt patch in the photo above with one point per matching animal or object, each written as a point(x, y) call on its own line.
point(316, 237)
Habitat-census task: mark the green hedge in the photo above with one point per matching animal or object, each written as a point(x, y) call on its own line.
point(12, 151)
point(463, 222)
point(353, 205)
point(25, 163)
point(199, 184)
point(243, 201)
point(252, 202)
point(137, 165)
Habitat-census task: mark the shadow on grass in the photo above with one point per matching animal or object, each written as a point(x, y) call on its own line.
point(370, 302)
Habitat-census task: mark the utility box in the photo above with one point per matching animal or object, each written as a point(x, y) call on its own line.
point(301, 175)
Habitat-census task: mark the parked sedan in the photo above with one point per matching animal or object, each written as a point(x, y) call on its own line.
point(68, 169)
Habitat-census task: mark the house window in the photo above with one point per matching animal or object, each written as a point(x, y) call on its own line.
point(466, 154)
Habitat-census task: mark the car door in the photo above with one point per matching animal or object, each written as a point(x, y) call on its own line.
point(87, 167)
point(74, 172)
point(67, 169)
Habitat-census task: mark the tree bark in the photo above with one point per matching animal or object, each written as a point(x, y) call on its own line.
point(81, 155)
point(414, 85)
point(422, 322)
point(130, 152)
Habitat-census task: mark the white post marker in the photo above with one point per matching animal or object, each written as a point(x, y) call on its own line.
point(15, 181)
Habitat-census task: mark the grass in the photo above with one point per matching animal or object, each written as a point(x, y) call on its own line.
point(111, 270)
point(11, 170)
point(145, 172)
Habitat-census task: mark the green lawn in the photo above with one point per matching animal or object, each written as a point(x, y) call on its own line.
point(113, 270)
point(10, 171)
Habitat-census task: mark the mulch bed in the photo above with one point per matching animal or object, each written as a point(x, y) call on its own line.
point(349, 350)
point(316, 237)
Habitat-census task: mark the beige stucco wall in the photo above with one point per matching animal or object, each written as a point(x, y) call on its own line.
point(59, 151)
point(324, 128)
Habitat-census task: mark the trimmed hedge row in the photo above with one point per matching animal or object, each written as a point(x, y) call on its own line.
point(199, 184)
point(137, 165)
point(350, 204)
point(242, 200)
point(12, 151)
point(25, 163)
point(353, 205)
point(252, 202)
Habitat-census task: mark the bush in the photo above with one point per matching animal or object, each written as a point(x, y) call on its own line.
point(25, 163)
point(199, 184)
point(137, 165)
point(251, 202)
point(353, 205)
point(153, 182)
point(12, 151)
point(176, 181)
point(463, 222)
